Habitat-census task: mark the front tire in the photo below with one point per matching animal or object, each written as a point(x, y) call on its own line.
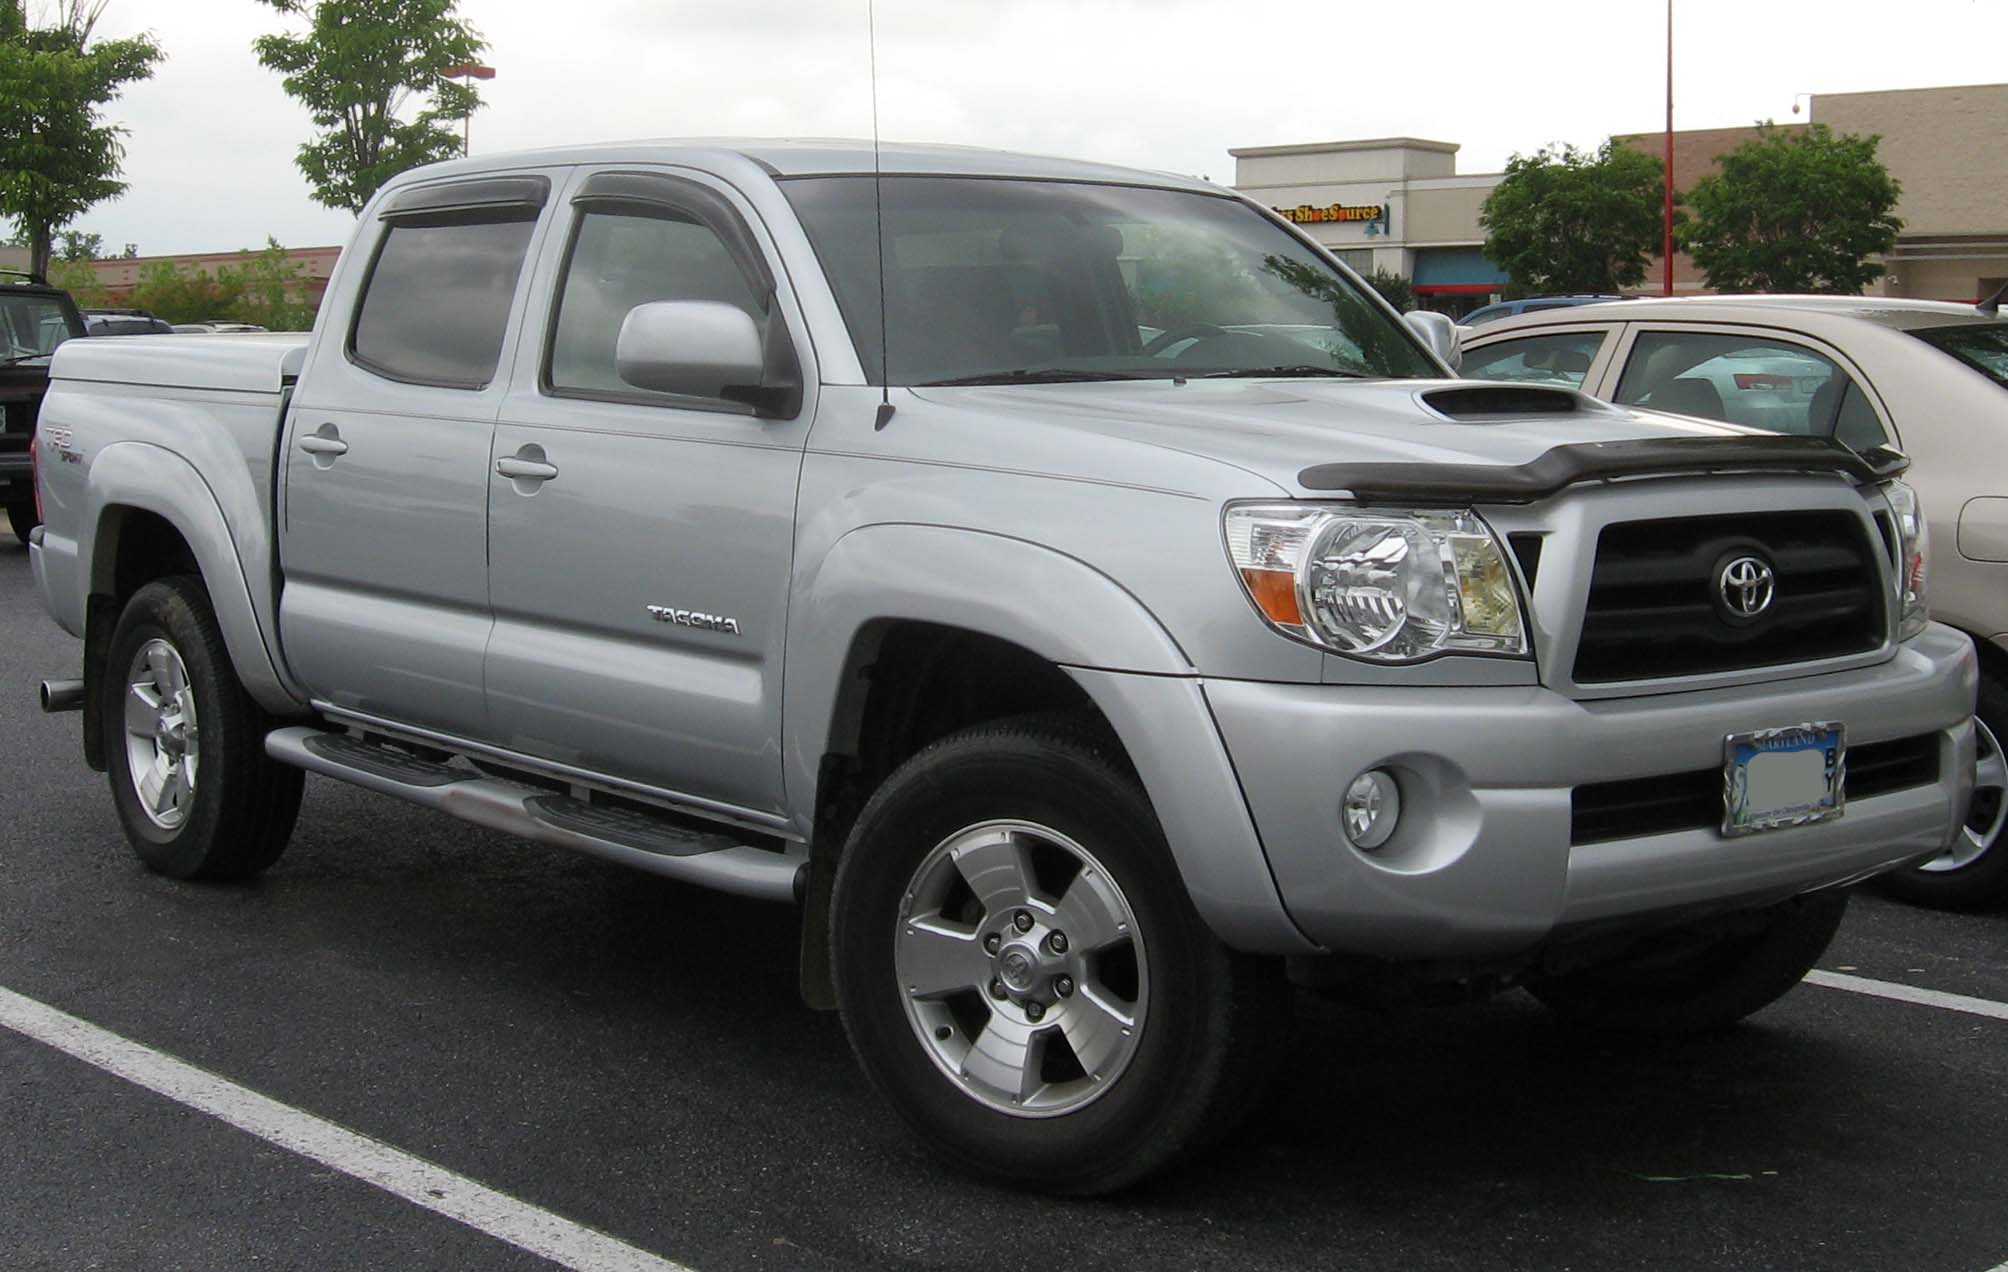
point(1690, 982)
point(1972, 872)
point(185, 745)
point(1023, 977)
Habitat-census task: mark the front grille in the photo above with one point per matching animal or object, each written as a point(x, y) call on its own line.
point(1655, 607)
point(1659, 805)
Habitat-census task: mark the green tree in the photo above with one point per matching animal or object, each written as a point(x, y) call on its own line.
point(74, 246)
point(1394, 289)
point(358, 64)
point(1794, 213)
point(271, 290)
point(1565, 220)
point(58, 158)
point(81, 281)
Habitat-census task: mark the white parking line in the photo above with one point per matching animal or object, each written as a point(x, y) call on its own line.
point(1912, 994)
point(501, 1216)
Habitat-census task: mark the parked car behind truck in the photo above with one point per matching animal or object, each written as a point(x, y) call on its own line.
point(1076, 643)
point(34, 319)
point(1871, 371)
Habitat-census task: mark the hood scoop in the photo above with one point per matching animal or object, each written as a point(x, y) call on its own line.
point(1491, 403)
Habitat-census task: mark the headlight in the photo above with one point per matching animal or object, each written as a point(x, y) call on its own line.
point(1387, 586)
point(1913, 543)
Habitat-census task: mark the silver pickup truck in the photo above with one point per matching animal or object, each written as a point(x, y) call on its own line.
point(1068, 585)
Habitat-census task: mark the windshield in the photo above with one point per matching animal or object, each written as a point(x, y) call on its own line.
point(1001, 281)
point(1982, 346)
point(31, 327)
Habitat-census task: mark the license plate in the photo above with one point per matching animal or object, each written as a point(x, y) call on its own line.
point(1782, 777)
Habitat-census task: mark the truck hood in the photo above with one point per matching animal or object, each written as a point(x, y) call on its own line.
point(1281, 429)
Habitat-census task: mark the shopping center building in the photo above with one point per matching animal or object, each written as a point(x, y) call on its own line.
point(1398, 204)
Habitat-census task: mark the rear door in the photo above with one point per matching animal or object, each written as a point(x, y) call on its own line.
point(383, 528)
point(639, 573)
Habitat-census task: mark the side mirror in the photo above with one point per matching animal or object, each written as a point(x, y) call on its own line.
point(1438, 332)
point(696, 348)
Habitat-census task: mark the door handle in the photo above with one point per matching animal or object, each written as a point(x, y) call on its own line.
point(519, 469)
point(324, 444)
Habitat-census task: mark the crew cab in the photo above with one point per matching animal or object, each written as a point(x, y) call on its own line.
point(1069, 586)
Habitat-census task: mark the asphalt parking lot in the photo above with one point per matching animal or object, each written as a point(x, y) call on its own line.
point(630, 1055)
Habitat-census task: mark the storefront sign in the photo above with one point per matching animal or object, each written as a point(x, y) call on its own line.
point(1305, 214)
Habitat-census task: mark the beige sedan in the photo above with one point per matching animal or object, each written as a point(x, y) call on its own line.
point(1928, 377)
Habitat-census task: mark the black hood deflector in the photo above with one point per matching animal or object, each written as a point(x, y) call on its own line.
point(1563, 466)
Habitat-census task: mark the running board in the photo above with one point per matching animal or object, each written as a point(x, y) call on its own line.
point(627, 836)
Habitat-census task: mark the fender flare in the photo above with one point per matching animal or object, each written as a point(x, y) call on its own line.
point(1049, 603)
point(148, 478)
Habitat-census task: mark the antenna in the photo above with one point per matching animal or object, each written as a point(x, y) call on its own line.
point(885, 408)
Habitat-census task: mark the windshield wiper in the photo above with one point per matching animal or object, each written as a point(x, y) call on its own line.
point(1301, 369)
point(1043, 375)
point(11, 359)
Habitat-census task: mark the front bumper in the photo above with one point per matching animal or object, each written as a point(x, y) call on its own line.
point(1481, 863)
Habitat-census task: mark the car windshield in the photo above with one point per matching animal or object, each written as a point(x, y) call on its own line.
point(995, 281)
point(31, 327)
point(1982, 346)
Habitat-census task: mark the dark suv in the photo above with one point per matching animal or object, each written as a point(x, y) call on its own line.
point(34, 319)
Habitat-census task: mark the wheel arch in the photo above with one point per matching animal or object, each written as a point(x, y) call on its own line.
point(150, 513)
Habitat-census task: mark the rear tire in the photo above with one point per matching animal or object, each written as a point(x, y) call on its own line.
point(1683, 984)
point(185, 745)
point(1037, 1084)
point(1972, 873)
point(22, 519)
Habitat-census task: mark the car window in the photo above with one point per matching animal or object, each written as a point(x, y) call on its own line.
point(619, 261)
point(1757, 381)
point(437, 302)
point(1562, 358)
point(31, 327)
point(1982, 346)
point(1484, 314)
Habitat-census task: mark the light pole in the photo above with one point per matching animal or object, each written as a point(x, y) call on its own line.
point(1668, 289)
point(1802, 97)
point(472, 71)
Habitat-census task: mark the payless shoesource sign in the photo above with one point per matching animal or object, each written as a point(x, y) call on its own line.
point(1307, 214)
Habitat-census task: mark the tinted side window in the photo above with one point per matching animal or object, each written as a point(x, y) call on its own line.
point(437, 302)
point(619, 261)
point(1556, 359)
point(1753, 380)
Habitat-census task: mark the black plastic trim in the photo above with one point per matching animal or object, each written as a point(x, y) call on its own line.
point(489, 199)
point(1564, 466)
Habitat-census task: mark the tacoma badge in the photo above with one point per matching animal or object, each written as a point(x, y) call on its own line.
point(692, 618)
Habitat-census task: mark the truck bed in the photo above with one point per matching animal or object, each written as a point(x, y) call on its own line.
point(238, 364)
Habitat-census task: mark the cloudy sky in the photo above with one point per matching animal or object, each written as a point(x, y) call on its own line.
point(1165, 84)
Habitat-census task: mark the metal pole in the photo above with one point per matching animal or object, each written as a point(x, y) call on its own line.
point(1668, 289)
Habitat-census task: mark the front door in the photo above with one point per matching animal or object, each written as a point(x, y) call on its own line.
point(383, 532)
point(641, 543)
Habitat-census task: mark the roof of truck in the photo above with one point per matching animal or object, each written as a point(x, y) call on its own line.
point(802, 157)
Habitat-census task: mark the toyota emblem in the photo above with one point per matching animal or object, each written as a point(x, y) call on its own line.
point(1747, 584)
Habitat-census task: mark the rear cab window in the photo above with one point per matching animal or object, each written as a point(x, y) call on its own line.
point(435, 308)
point(1562, 358)
point(1982, 346)
point(1758, 380)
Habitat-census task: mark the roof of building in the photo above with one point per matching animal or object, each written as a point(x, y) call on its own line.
point(1331, 147)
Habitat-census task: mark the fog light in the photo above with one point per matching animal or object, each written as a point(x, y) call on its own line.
point(1371, 808)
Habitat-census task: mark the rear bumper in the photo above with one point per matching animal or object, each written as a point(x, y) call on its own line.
point(1482, 863)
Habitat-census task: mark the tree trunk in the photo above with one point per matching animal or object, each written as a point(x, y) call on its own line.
point(40, 238)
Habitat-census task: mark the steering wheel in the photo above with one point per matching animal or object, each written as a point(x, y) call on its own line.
point(1194, 331)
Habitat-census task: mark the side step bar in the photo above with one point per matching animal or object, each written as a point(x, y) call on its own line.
point(632, 838)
